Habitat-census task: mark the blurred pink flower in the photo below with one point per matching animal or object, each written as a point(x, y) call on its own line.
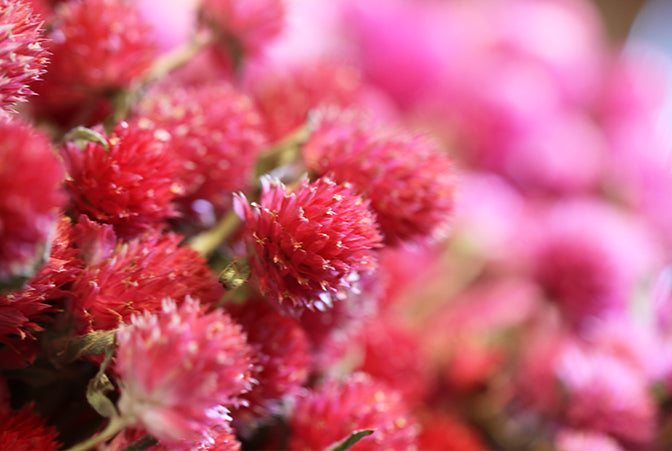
point(581, 440)
point(180, 369)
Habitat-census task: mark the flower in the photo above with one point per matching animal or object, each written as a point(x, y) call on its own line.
point(576, 440)
point(333, 411)
point(180, 368)
point(25, 430)
point(136, 276)
point(309, 244)
point(281, 356)
point(128, 183)
point(22, 55)
point(30, 183)
point(407, 178)
point(215, 136)
point(443, 431)
point(246, 25)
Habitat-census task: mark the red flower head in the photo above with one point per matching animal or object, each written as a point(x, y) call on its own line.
point(130, 184)
point(285, 98)
point(308, 245)
point(281, 355)
point(331, 413)
point(215, 135)
point(247, 25)
point(98, 47)
point(442, 431)
point(22, 57)
point(30, 179)
point(25, 430)
point(136, 276)
point(23, 312)
point(180, 369)
point(408, 179)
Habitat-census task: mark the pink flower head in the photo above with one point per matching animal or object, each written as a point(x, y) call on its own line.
point(606, 394)
point(407, 178)
point(180, 369)
point(30, 179)
point(333, 411)
point(129, 185)
point(215, 135)
point(589, 257)
point(25, 430)
point(135, 276)
point(577, 440)
point(281, 356)
point(22, 57)
point(308, 245)
point(249, 24)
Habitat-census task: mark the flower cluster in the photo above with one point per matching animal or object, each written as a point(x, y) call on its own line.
point(384, 225)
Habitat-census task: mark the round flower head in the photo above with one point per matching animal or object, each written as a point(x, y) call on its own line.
point(246, 25)
point(215, 135)
point(281, 355)
point(179, 370)
point(25, 430)
point(30, 179)
point(308, 244)
point(128, 183)
point(408, 180)
point(576, 440)
point(22, 57)
point(135, 276)
point(332, 412)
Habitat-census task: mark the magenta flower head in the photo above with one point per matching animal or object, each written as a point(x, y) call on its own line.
point(408, 179)
point(22, 57)
point(180, 369)
point(30, 179)
point(329, 414)
point(308, 245)
point(578, 440)
point(128, 182)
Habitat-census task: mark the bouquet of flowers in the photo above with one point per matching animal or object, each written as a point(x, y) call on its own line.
point(289, 224)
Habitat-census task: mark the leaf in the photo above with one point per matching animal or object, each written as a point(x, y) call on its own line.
point(235, 274)
point(101, 384)
point(350, 441)
point(87, 135)
point(97, 342)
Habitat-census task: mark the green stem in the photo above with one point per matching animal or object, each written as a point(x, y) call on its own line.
point(284, 151)
point(176, 58)
point(116, 425)
point(206, 242)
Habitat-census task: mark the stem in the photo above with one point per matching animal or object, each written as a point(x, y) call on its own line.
point(116, 425)
point(176, 58)
point(284, 151)
point(205, 243)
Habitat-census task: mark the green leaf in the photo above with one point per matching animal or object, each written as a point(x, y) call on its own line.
point(235, 274)
point(97, 342)
point(87, 135)
point(350, 441)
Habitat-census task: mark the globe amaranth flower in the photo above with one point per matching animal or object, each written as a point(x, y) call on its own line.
point(98, 47)
point(245, 25)
point(22, 55)
point(407, 178)
point(135, 276)
point(281, 359)
point(180, 369)
point(215, 136)
point(25, 430)
point(30, 183)
point(24, 311)
point(578, 440)
point(130, 184)
point(285, 97)
point(308, 244)
point(442, 431)
point(333, 411)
